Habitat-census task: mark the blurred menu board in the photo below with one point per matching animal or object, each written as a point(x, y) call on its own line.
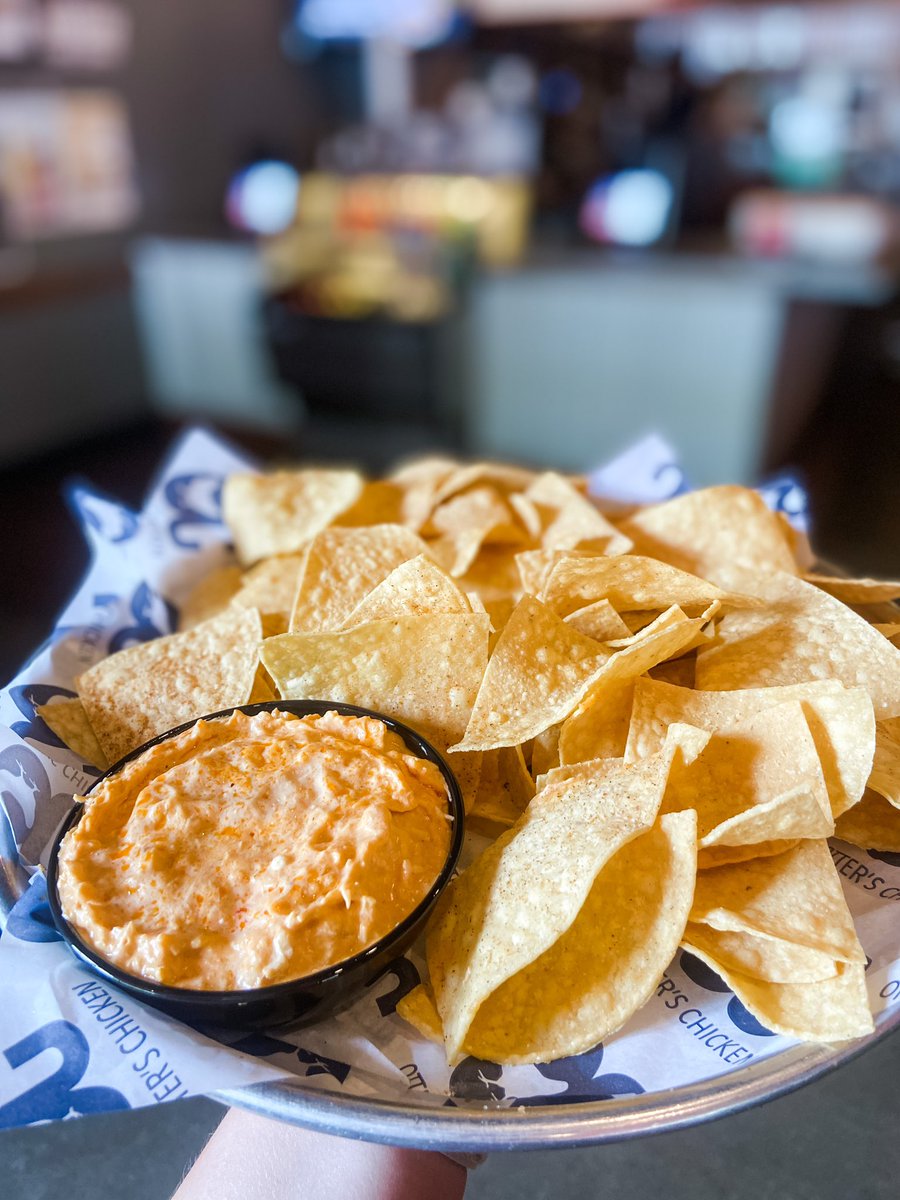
point(66, 163)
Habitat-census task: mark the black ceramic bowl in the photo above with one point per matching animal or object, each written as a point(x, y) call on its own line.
point(299, 1001)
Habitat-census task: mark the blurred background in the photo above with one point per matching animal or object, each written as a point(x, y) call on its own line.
point(532, 229)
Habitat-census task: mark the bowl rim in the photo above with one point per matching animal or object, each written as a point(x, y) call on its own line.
point(245, 997)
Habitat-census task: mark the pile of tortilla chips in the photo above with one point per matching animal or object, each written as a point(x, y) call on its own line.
point(656, 719)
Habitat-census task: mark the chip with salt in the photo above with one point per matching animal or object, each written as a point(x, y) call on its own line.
point(796, 897)
point(606, 965)
point(840, 721)
point(874, 824)
point(424, 671)
point(342, 567)
point(520, 895)
point(413, 589)
point(276, 513)
point(802, 634)
point(147, 689)
point(771, 959)
point(707, 531)
point(630, 582)
point(827, 1010)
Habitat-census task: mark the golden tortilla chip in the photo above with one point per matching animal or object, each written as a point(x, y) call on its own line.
point(874, 824)
point(380, 503)
point(722, 856)
point(796, 897)
point(466, 523)
point(271, 586)
point(856, 591)
point(520, 895)
point(342, 567)
point(708, 531)
point(677, 671)
point(606, 965)
point(535, 565)
point(507, 477)
point(761, 781)
point(276, 513)
point(545, 751)
point(630, 582)
point(761, 958)
point(598, 728)
point(504, 791)
point(417, 1007)
point(599, 621)
point(423, 671)
point(829, 1010)
point(150, 688)
point(209, 596)
point(803, 635)
point(885, 777)
point(572, 520)
point(69, 721)
point(541, 670)
point(415, 588)
point(840, 720)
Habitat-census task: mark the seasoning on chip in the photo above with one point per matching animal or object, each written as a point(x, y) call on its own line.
point(253, 850)
point(413, 589)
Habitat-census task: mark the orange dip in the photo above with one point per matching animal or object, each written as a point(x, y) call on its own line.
point(253, 850)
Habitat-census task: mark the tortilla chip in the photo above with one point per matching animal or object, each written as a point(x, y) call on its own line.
point(209, 596)
point(874, 824)
point(796, 897)
point(380, 503)
point(417, 1007)
point(535, 565)
point(414, 589)
point(630, 583)
point(507, 477)
point(271, 586)
point(676, 671)
point(760, 782)
point(535, 676)
point(423, 671)
point(150, 688)
point(598, 728)
point(856, 591)
point(840, 720)
point(276, 513)
point(804, 634)
point(541, 670)
point(885, 777)
point(761, 958)
point(342, 567)
point(708, 531)
point(599, 621)
point(710, 857)
point(545, 751)
point(606, 965)
point(830, 1010)
point(69, 721)
point(572, 520)
point(466, 523)
point(521, 895)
